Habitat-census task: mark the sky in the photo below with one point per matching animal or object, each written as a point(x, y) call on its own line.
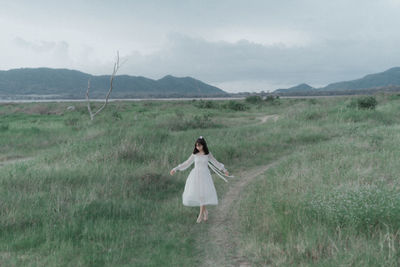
point(236, 45)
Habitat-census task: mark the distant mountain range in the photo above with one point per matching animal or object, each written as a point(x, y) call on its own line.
point(297, 88)
point(64, 83)
point(383, 80)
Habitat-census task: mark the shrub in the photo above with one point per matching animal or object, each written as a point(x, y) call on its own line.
point(254, 99)
point(116, 115)
point(273, 100)
point(368, 102)
point(203, 120)
point(234, 105)
point(205, 104)
point(269, 98)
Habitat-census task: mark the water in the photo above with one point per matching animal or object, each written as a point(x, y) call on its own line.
point(114, 100)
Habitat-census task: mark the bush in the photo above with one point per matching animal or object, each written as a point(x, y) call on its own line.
point(234, 105)
point(205, 104)
point(366, 102)
point(116, 115)
point(272, 99)
point(254, 99)
point(202, 121)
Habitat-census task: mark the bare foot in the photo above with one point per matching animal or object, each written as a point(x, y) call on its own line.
point(199, 218)
point(205, 215)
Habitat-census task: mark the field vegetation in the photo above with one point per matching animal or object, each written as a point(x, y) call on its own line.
point(75, 192)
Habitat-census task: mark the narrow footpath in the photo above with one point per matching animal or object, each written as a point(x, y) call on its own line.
point(220, 243)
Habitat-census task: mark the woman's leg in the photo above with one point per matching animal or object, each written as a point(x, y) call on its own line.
point(205, 213)
point(201, 214)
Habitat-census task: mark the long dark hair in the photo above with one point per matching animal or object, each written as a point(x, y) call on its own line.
point(201, 141)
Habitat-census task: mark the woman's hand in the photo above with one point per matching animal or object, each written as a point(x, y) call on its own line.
point(172, 172)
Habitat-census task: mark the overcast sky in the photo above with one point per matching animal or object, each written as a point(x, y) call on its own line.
point(248, 45)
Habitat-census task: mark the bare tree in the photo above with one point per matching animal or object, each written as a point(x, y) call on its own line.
point(116, 67)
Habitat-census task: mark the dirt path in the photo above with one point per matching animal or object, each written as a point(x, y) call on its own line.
point(11, 161)
point(220, 243)
point(264, 119)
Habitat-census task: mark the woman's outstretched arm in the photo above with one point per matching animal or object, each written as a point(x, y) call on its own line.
point(217, 164)
point(183, 166)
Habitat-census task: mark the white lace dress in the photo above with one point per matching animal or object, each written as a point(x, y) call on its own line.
point(199, 187)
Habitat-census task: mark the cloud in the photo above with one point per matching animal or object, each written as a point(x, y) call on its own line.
point(41, 53)
point(239, 63)
point(41, 47)
point(256, 45)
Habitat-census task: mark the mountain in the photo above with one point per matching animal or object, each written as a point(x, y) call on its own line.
point(64, 83)
point(388, 80)
point(300, 87)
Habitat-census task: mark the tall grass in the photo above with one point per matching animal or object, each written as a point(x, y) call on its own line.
point(333, 202)
point(98, 193)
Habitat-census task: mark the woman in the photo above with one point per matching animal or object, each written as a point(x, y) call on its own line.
point(199, 187)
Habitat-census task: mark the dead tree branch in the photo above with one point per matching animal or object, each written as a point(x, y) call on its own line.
point(115, 70)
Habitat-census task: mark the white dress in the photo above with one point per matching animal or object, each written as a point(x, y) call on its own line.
point(199, 187)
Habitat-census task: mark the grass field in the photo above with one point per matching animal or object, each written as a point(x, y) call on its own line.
point(75, 192)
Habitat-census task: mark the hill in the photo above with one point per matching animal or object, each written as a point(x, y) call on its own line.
point(64, 83)
point(387, 80)
point(300, 87)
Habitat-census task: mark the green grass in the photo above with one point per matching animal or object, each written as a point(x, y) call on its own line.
point(333, 202)
point(99, 193)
